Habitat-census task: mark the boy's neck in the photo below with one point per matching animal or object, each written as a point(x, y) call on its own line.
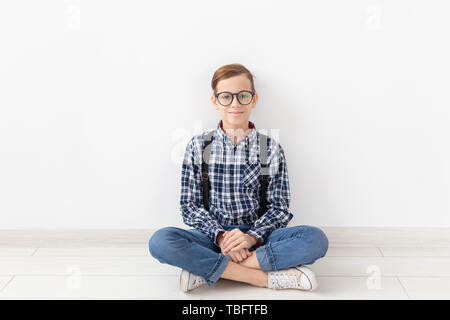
point(236, 132)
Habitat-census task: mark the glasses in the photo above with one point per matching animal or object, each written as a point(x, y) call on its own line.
point(244, 97)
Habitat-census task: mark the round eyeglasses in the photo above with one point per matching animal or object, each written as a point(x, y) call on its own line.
point(244, 97)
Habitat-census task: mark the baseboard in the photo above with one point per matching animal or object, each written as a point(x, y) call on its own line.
point(388, 236)
point(337, 236)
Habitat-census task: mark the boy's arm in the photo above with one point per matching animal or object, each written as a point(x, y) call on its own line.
point(191, 202)
point(278, 213)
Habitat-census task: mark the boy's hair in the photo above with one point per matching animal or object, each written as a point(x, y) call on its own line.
point(228, 71)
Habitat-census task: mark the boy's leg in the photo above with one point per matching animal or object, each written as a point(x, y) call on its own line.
point(289, 247)
point(238, 272)
point(195, 252)
point(190, 250)
point(251, 261)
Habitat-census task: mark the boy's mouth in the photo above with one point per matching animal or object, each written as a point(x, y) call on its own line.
point(236, 112)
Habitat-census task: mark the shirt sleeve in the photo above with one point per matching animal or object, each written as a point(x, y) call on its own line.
point(278, 213)
point(193, 211)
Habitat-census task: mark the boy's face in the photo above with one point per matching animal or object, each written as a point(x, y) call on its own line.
point(234, 85)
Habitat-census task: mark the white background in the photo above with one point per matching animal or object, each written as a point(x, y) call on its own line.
point(99, 98)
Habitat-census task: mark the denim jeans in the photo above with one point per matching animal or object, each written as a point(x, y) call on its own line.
point(193, 251)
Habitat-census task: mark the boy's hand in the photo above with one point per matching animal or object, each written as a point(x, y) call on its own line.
point(235, 240)
point(235, 255)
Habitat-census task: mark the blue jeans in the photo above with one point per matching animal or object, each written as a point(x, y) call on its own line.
point(193, 251)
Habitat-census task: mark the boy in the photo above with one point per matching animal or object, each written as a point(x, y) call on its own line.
point(229, 240)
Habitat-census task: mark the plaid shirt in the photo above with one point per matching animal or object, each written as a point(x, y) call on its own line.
point(234, 175)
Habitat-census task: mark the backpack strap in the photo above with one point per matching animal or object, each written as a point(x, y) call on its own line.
point(264, 174)
point(206, 153)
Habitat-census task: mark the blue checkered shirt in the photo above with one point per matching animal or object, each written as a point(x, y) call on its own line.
point(234, 195)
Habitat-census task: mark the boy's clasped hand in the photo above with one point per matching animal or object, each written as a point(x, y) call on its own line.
point(235, 243)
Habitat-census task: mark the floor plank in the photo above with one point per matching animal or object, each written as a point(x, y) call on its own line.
point(51, 265)
point(353, 252)
point(137, 265)
point(415, 251)
point(93, 251)
point(167, 287)
point(12, 251)
point(386, 266)
point(4, 280)
point(426, 288)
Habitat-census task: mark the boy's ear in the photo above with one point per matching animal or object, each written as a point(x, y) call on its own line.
point(214, 102)
point(255, 99)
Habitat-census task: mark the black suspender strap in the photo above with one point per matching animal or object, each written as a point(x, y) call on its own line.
point(264, 174)
point(206, 184)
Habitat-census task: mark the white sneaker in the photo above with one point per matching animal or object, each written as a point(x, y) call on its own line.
point(299, 277)
point(189, 281)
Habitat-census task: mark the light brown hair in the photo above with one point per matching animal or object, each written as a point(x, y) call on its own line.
point(228, 71)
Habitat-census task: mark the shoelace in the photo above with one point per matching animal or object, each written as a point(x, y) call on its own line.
point(198, 281)
point(283, 280)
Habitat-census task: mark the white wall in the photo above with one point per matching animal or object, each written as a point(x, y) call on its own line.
point(99, 98)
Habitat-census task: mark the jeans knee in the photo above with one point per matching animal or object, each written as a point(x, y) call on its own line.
point(158, 241)
point(320, 241)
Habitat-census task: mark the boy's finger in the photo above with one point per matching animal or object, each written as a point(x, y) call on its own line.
point(227, 242)
point(227, 234)
point(233, 245)
point(237, 248)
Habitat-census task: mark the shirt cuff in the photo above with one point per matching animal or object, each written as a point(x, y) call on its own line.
point(259, 240)
point(216, 232)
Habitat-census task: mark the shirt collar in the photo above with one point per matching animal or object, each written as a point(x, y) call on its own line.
point(223, 136)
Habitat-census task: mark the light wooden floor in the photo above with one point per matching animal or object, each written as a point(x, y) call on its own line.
point(362, 263)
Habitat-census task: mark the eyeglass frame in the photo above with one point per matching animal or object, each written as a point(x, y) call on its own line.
point(232, 97)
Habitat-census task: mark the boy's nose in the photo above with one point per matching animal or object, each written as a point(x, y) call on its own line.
point(235, 102)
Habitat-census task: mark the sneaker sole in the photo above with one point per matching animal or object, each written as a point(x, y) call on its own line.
point(184, 280)
point(310, 276)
